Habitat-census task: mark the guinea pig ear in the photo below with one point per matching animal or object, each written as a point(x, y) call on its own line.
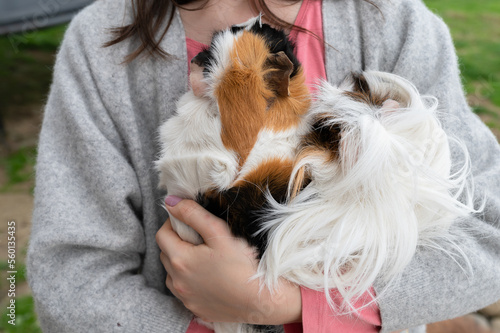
point(279, 70)
point(202, 59)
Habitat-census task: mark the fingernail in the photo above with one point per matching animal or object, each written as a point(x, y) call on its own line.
point(172, 200)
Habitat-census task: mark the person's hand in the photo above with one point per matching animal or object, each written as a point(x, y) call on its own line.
point(213, 279)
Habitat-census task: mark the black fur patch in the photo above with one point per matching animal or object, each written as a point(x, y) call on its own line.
point(203, 58)
point(243, 208)
point(362, 92)
point(360, 84)
point(323, 136)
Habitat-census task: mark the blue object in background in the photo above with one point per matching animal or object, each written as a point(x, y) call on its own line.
point(18, 16)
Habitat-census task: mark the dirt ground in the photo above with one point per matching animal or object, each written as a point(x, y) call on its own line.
point(15, 207)
point(16, 204)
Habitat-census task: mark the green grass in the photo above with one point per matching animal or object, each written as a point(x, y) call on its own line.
point(475, 28)
point(25, 319)
point(46, 39)
point(26, 62)
point(19, 167)
point(20, 269)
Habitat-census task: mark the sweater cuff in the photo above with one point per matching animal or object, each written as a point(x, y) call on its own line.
point(194, 327)
point(318, 317)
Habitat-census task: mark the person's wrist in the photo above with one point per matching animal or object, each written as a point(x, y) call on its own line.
point(284, 306)
point(293, 304)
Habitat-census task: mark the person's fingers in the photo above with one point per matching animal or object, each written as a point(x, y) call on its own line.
point(166, 263)
point(175, 288)
point(170, 285)
point(191, 213)
point(168, 240)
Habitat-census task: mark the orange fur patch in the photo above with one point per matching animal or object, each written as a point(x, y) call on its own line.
point(273, 173)
point(241, 95)
point(247, 104)
point(300, 180)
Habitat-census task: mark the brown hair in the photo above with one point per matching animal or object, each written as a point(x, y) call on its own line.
point(148, 16)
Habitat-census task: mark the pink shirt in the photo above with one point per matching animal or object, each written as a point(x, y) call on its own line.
point(310, 50)
point(317, 317)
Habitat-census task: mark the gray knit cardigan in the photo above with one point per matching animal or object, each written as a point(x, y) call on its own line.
point(93, 263)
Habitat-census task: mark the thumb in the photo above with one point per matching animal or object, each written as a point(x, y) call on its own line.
point(201, 220)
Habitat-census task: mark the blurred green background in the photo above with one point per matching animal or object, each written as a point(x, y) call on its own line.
point(475, 27)
point(26, 62)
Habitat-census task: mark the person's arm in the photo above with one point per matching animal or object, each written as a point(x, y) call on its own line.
point(415, 44)
point(214, 279)
point(88, 241)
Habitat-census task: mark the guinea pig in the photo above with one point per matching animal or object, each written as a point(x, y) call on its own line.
point(333, 190)
point(233, 139)
point(234, 136)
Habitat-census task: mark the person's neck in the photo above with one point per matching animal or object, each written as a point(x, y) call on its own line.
point(200, 25)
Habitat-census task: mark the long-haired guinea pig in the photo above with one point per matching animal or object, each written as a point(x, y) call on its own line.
point(234, 140)
point(333, 190)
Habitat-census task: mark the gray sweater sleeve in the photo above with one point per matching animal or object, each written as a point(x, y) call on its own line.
point(416, 44)
point(91, 233)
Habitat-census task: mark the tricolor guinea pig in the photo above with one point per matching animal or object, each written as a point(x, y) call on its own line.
point(234, 137)
point(334, 190)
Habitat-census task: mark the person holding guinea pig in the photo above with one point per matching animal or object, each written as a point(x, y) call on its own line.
point(103, 256)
